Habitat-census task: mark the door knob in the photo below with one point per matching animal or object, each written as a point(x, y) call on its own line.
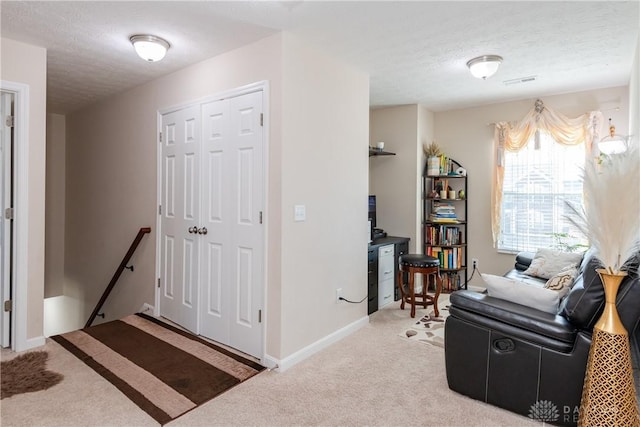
point(193, 230)
point(203, 230)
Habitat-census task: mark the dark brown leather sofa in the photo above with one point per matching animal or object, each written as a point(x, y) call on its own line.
point(528, 361)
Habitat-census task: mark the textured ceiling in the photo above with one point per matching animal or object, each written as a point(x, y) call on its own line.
point(415, 52)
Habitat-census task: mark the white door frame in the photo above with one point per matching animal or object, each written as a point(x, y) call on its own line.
point(6, 202)
point(19, 319)
point(243, 90)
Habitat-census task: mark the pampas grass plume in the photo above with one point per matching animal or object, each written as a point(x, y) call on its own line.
point(611, 215)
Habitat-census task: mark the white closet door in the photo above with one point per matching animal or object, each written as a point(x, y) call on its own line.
point(233, 200)
point(181, 146)
point(217, 177)
point(246, 330)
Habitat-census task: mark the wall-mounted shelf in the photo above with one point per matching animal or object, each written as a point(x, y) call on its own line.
point(376, 152)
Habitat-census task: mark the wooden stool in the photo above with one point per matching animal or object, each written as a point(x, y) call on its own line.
point(427, 266)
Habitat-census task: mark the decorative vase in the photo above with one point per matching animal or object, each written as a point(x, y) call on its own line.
point(433, 166)
point(608, 394)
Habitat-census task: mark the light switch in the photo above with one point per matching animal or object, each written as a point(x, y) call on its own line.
point(299, 213)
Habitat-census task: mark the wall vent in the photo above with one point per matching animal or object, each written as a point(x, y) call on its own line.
point(520, 80)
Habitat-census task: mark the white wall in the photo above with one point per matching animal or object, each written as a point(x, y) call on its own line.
point(393, 179)
point(112, 178)
point(318, 117)
point(27, 64)
point(426, 129)
point(634, 97)
point(54, 206)
point(324, 167)
point(397, 180)
point(466, 136)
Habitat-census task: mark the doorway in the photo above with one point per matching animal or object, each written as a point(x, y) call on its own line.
point(18, 288)
point(211, 239)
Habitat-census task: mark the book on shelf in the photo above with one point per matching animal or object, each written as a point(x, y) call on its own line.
point(443, 235)
point(451, 282)
point(450, 258)
point(443, 206)
point(445, 220)
point(443, 212)
point(446, 166)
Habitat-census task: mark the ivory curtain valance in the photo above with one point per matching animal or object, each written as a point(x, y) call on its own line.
point(514, 136)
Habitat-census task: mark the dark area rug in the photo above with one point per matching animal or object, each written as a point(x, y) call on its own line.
point(162, 369)
point(27, 373)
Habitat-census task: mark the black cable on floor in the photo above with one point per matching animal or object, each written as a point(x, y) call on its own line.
point(352, 302)
point(464, 286)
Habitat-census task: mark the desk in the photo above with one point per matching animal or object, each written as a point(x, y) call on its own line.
point(400, 247)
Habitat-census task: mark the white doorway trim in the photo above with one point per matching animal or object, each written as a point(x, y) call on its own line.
point(6, 202)
point(243, 90)
point(19, 341)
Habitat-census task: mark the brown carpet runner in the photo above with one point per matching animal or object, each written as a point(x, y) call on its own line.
point(163, 370)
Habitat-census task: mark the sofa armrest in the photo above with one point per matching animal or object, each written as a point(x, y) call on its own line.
point(477, 306)
point(523, 260)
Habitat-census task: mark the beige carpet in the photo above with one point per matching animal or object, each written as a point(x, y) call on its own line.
point(371, 378)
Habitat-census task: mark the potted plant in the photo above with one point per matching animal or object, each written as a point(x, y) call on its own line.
point(432, 151)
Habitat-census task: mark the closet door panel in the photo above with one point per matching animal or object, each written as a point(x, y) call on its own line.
point(181, 205)
point(217, 177)
point(248, 153)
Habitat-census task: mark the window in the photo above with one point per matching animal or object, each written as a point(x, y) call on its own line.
point(537, 182)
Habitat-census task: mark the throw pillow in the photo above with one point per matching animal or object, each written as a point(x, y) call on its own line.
point(522, 293)
point(563, 281)
point(547, 263)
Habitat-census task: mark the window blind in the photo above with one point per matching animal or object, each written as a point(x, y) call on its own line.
point(537, 183)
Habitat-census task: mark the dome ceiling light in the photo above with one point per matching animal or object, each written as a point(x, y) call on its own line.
point(484, 66)
point(150, 48)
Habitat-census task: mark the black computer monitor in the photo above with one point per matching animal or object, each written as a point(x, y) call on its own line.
point(372, 210)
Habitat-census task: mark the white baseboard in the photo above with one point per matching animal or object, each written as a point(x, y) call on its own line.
point(147, 309)
point(282, 365)
point(269, 362)
point(30, 343)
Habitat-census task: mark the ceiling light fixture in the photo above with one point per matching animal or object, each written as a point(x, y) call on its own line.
point(613, 143)
point(150, 48)
point(484, 66)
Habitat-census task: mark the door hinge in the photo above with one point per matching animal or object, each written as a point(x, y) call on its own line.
point(158, 282)
point(261, 119)
point(260, 217)
point(8, 305)
point(259, 316)
point(8, 213)
point(159, 136)
point(10, 121)
point(159, 209)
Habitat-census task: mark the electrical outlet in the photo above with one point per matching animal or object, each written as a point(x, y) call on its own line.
point(338, 294)
point(474, 263)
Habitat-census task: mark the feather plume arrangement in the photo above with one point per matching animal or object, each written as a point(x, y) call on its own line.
point(431, 150)
point(610, 218)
